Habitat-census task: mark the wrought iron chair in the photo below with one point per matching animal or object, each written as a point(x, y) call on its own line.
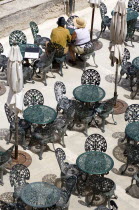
point(106, 20)
point(17, 37)
point(131, 115)
point(88, 51)
point(4, 158)
point(136, 178)
point(12, 206)
point(66, 168)
point(62, 122)
point(90, 77)
point(59, 56)
point(132, 153)
point(43, 135)
point(23, 125)
point(33, 97)
point(63, 102)
point(136, 85)
point(18, 176)
point(127, 68)
point(3, 59)
point(69, 22)
point(44, 64)
point(38, 39)
point(130, 31)
point(104, 109)
point(104, 186)
point(83, 115)
point(65, 194)
point(95, 142)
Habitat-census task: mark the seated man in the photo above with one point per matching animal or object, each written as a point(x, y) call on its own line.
point(61, 35)
point(81, 36)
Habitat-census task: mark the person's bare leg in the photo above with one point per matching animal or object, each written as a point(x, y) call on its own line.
point(72, 53)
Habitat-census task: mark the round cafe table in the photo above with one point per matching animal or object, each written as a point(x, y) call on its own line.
point(40, 194)
point(89, 93)
point(39, 114)
point(95, 162)
point(132, 131)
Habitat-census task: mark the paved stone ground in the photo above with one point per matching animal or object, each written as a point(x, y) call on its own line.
point(75, 140)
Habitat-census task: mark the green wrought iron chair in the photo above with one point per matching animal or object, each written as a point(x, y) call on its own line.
point(17, 37)
point(104, 109)
point(88, 51)
point(4, 158)
point(18, 176)
point(106, 20)
point(59, 56)
point(44, 64)
point(38, 39)
point(3, 59)
point(12, 206)
point(23, 125)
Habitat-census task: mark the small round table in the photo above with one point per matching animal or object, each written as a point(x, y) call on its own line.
point(135, 62)
point(132, 131)
point(89, 93)
point(95, 162)
point(39, 114)
point(40, 194)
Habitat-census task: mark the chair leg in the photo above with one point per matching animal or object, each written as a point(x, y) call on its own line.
point(93, 55)
point(130, 185)
point(103, 125)
point(115, 123)
point(41, 152)
point(125, 168)
point(61, 65)
point(9, 140)
point(84, 65)
point(1, 176)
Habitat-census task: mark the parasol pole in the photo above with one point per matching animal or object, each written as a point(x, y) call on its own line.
point(116, 78)
point(92, 21)
point(16, 134)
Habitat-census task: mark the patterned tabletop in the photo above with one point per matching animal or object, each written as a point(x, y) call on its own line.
point(40, 194)
point(132, 131)
point(39, 114)
point(95, 162)
point(89, 93)
point(135, 62)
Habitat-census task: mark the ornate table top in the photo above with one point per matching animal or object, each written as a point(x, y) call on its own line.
point(132, 131)
point(39, 114)
point(135, 62)
point(89, 93)
point(95, 162)
point(40, 194)
point(24, 46)
point(131, 14)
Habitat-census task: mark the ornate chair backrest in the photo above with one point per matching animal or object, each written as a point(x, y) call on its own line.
point(90, 77)
point(17, 37)
point(88, 48)
point(70, 184)
point(103, 10)
point(18, 175)
point(133, 4)
point(34, 29)
point(95, 142)
point(33, 97)
point(60, 156)
point(132, 113)
point(1, 48)
point(60, 90)
point(59, 50)
point(69, 21)
point(5, 156)
point(9, 113)
point(126, 56)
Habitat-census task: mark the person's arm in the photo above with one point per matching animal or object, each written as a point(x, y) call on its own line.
point(74, 35)
point(68, 36)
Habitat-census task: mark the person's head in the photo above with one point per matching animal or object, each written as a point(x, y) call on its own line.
point(61, 21)
point(79, 22)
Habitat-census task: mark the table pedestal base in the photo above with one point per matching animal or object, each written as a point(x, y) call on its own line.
point(120, 106)
point(97, 44)
point(23, 158)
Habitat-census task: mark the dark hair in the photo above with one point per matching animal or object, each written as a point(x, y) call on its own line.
point(61, 21)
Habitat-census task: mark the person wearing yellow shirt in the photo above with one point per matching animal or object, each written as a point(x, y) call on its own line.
point(61, 35)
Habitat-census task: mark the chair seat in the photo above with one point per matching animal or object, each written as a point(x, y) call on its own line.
point(107, 21)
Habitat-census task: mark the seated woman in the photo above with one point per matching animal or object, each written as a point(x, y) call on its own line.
point(81, 36)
